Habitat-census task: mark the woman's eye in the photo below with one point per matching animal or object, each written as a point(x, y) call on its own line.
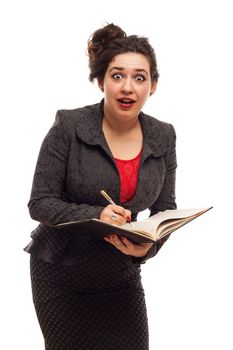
point(117, 76)
point(140, 78)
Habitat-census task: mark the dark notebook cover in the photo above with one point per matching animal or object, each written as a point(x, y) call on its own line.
point(99, 229)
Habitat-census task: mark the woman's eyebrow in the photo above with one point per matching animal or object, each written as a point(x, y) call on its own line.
point(138, 70)
point(141, 70)
point(117, 68)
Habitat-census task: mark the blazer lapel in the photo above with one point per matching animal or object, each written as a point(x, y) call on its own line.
point(155, 144)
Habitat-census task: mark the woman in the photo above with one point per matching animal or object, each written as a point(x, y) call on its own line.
point(87, 292)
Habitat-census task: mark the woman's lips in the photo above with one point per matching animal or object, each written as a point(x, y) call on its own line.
point(126, 102)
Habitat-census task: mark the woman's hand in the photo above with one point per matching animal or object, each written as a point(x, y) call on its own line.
point(115, 215)
point(127, 247)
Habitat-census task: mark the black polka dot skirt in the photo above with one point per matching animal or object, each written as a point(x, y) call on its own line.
point(81, 310)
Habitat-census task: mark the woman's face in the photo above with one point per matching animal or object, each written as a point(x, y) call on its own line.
point(127, 85)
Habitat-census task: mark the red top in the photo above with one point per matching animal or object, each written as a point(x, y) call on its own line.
point(128, 170)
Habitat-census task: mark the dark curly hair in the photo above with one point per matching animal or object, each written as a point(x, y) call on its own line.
point(109, 41)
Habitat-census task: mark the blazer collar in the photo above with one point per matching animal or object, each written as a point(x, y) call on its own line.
point(89, 130)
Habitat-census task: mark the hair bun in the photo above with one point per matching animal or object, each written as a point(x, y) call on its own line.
point(101, 37)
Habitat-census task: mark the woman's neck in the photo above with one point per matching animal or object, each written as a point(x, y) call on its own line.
point(114, 125)
point(124, 139)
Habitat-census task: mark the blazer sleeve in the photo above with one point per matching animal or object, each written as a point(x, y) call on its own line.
point(47, 202)
point(167, 197)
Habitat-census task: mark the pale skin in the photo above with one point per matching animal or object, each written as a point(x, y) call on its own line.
point(127, 85)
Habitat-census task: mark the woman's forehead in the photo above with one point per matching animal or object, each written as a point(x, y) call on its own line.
point(130, 60)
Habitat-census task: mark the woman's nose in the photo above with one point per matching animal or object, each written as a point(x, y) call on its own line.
point(127, 85)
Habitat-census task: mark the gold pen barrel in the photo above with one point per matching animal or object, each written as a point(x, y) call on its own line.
point(109, 199)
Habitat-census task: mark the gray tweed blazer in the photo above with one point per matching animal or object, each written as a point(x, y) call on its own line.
point(75, 163)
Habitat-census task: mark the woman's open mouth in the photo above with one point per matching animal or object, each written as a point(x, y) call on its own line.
point(126, 102)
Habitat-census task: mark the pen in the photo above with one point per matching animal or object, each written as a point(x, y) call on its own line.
point(109, 199)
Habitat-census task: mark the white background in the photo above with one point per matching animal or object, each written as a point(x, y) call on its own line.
point(43, 68)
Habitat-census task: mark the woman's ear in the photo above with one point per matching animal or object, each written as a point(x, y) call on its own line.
point(153, 88)
point(100, 84)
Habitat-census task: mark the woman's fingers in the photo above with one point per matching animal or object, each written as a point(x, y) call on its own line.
point(125, 213)
point(127, 247)
point(115, 214)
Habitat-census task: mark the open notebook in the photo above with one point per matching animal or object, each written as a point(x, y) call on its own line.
point(149, 230)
